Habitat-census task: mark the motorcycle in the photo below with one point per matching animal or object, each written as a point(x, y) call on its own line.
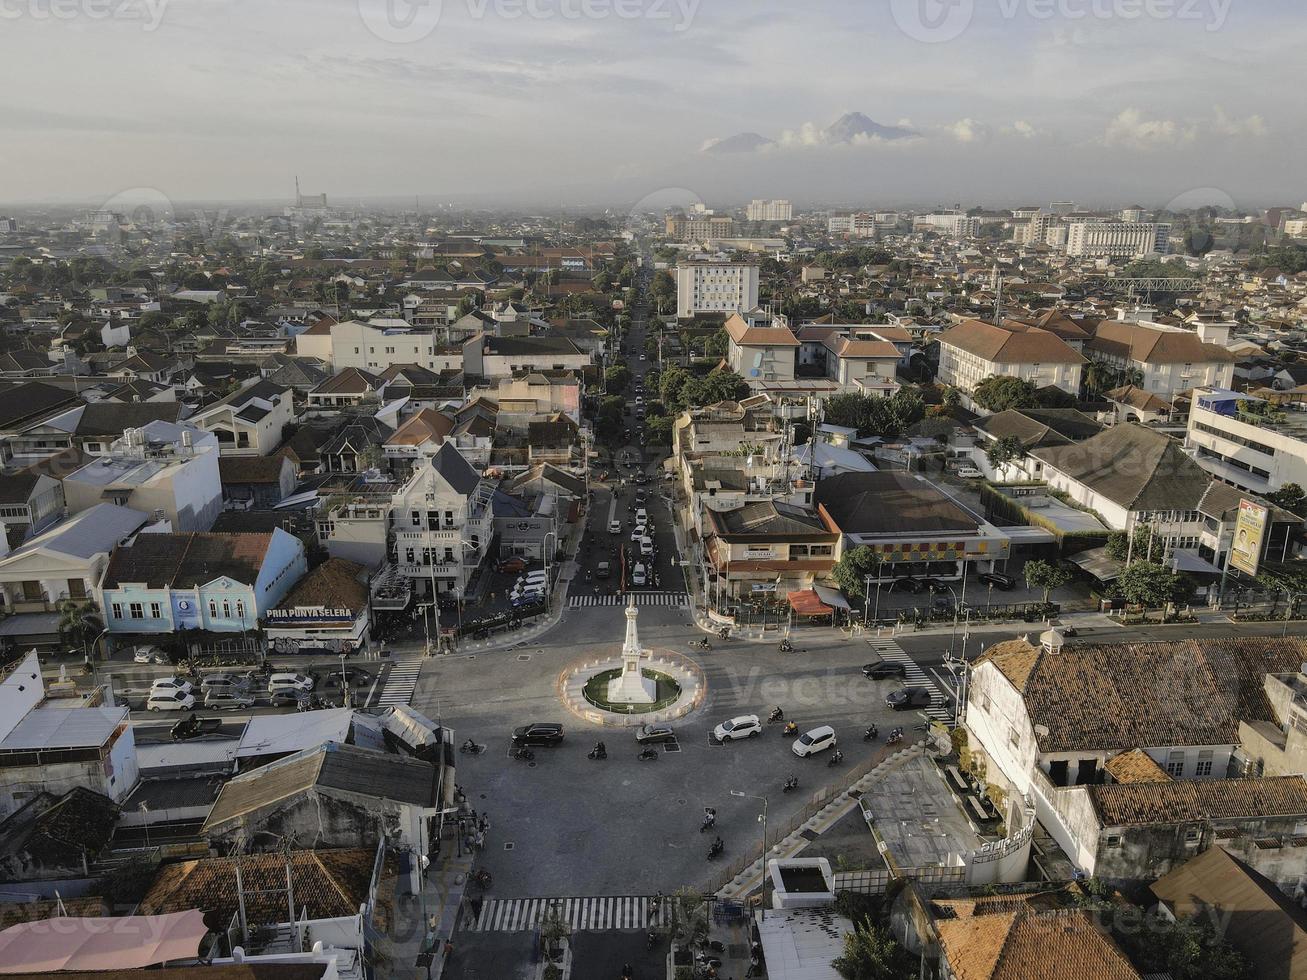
point(790, 730)
point(523, 754)
point(786, 646)
point(648, 754)
point(836, 758)
point(791, 782)
point(709, 820)
point(724, 632)
point(600, 751)
point(481, 878)
point(894, 737)
point(716, 848)
point(471, 747)
point(701, 644)
point(776, 715)
point(870, 734)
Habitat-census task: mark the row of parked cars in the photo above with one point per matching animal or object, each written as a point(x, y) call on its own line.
point(915, 584)
point(219, 691)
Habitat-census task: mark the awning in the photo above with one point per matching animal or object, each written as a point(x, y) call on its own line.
point(1096, 563)
point(831, 597)
point(130, 942)
point(806, 602)
point(30, 624)
point(1188, 561)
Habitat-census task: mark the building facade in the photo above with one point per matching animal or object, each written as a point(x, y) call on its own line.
point(715, 287)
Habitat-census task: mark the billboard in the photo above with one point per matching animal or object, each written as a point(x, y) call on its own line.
point(185, 612)
point(1249, 532)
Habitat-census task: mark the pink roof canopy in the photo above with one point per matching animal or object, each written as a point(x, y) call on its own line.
point(128, 942)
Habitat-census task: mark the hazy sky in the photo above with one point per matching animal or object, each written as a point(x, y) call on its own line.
point(550, 102)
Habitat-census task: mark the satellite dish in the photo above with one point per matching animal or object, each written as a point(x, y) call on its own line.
point(754, 373)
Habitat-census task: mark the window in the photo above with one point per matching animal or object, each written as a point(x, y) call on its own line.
point(416, 518)
point(213, 609)
point(76, 588)
point(1113, 840)
point(1204, 768)
point(136, 610)
point(156, 611)
point(240, 609)
point(226, 609)
point(117, 610)
point(1175, 765)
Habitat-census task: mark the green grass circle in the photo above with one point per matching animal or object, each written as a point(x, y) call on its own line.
point(666, 692)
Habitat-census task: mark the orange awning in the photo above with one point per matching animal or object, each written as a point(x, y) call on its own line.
point(806, 602)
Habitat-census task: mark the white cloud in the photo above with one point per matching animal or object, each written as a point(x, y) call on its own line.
point(1130, 128)
point(969, 131)
point(1023, 129)
point(1227, 125)
point(809, 134)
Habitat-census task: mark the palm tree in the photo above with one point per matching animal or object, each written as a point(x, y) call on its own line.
point(79, 623)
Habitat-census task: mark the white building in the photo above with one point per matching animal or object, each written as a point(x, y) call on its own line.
point(251, 421)
point(952, 223)
point(1252, 451)
point(375, 347)
point(856, 224)
point(759, 210)
point(1099, 238)
point(975, 350)
point(715, 287)
point(1167, 359)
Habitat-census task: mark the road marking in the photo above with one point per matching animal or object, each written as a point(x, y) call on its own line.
point(597, 913)
point(914, 676)
point(401, 682)
point(641, 599)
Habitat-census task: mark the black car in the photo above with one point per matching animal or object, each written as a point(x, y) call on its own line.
point(647, 734)
point(908, 585)
point(998, 580)
point(908, 698)
point(881, 669)
point(541, 733)
point(287, 698)
point(932, 583)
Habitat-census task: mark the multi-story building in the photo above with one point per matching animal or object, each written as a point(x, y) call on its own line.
point(715, 287)
point(166, 470)
point(975, 350)
point(226, 583)
point(375, 347)
point(855, 224)
point(700, 227)
point(1101, 238)
point(1163, 360)
point(955, 224)
point(760, 354)
point(759, 210)
point(249, 422)
point(1240, 439)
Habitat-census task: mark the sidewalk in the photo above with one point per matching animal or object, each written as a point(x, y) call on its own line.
point(424, 921)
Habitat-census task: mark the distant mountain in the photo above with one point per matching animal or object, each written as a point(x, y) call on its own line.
point(739, 143)
point(852, 127)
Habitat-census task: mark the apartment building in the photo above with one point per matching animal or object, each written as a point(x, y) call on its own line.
point(761, 354)
point(1100, 238)
point(952, 223)
point(1238, 438)
point(700, 227)
point(1167, 360)
point(715, 287)
point(857, 224)
point(374, 347)
point(975, 350)
point(249, 422)
point(759, 210)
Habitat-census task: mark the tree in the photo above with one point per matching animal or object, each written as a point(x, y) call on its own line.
point(870, 953)
point(1291, 497)
point(609, 423)
point(1118, 543)
point(1004, 450)
point(1001, 392)
point(853, 568)
point(658, 429)
point(717, 344)
point(1046, 576)
point(79, 623)
point(1148, 584)
point(716, 386)
point(616, 378)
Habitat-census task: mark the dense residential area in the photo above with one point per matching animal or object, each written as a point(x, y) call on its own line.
point(689, 592)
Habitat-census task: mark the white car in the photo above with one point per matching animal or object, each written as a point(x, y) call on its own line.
point(166, 685)
point(969, 473)
point(646, 547)
point(642, 516)
point(817, 740)
point(743, 726)
point(170, 701)
point(638, 576)
point(289, 682)
point(614, 527)
point(143, 655)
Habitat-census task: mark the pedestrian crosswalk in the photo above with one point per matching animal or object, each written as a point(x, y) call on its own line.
point(641, 599)
point(941, 706)
point(401, 682)
point(598, 913)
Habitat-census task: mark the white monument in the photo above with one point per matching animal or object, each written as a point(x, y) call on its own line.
point(632, 687)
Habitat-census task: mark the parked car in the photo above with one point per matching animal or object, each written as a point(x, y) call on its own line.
point(648, 734)
point(289, 682)
point(969, 473)
point(167, 685)
point(527, 598)
point(817, 740)
point(907, 698)
point(998, 580)
point(228, 699)
point(881, 669)
point(642, 516)
point(538, 733)
point(224, 682)
point(931, 583)
point(614, 527)
point(907, 584)
point(510, 565)
point(170, 700)
point(145, 654)
point(646, 547)
point(287, 697)
point(741, 726)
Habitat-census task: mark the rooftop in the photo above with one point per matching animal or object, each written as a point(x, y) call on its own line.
point(887, 502)
point(45, 728)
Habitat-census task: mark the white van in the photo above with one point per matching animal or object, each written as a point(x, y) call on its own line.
point(289, 682)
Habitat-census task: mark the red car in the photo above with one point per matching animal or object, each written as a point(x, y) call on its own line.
point(509, 565)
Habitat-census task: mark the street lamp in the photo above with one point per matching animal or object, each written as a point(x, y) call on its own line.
point(344, 682)
point(544, 542)
point(763, 818)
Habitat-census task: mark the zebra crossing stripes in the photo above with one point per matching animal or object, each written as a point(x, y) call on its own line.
point(641, 599)
point(913, 676)
point(401, 682)
point(596, 913)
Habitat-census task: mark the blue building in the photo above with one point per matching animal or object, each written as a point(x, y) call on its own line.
point(225, 583)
